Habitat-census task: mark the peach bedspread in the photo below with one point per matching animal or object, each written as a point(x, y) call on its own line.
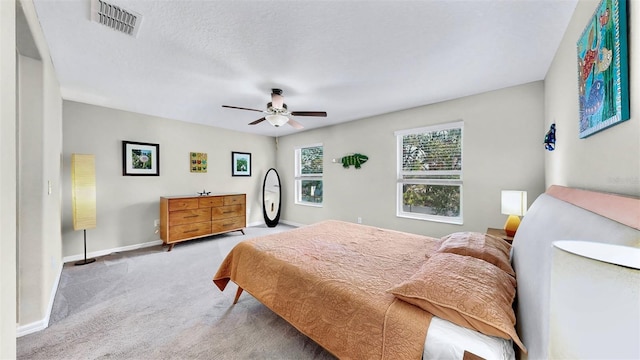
point(330, 281)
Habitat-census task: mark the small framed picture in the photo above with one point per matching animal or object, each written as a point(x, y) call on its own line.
point(198, 162)
point(240, 164)
point(140, 159)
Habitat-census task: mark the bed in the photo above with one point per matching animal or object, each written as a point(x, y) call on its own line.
point(363, 292)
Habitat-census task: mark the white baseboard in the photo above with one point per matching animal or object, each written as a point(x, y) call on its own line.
point(261, 223)
point(98, 253)
point(44, 323)
point(52, 298)
point(78, 257)
point(287, 222)
point(31, 328)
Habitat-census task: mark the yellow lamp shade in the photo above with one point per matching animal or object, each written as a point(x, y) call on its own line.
point(83, 188)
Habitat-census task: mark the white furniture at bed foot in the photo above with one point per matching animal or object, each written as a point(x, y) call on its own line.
point(595, 303)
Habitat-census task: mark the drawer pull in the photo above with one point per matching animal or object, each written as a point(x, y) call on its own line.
point(188, 231)
point(227, 212)
point(229, 224)
point(190, 216)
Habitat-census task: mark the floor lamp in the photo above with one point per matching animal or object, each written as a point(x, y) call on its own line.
point(83, 192)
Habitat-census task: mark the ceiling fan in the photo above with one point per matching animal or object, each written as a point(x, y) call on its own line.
point(277, 112)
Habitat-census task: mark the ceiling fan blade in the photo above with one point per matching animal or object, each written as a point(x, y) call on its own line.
point(309, 113)
point(257, 121)
point(240, 108)
point(295, 124)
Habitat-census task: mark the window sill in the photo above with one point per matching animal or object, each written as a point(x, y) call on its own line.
point(309, 204)
point(433, 218)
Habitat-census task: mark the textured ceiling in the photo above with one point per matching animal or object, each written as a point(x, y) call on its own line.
point(350, 58)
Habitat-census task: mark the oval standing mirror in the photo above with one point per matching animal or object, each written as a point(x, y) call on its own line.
point(271, 198)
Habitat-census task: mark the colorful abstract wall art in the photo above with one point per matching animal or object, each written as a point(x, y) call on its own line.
point(603, 74)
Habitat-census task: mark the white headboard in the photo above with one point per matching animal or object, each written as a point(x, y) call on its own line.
point(560, 214)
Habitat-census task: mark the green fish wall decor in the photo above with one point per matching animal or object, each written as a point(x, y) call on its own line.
point(354, 159)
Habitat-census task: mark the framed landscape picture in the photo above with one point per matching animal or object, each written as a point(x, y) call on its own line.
point(240, 164)
point(140, 159)
point(603, 72)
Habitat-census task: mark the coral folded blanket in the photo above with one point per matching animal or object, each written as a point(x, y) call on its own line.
point(330, 281)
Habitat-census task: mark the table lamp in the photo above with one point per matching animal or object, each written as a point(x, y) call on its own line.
point(514, 204)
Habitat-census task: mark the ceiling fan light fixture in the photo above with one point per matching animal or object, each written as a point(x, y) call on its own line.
point(277, 120)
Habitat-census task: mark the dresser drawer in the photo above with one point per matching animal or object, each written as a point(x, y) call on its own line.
point(233, 200)
point(186, 231)
point(218, 226)
point(189, 216)
point(225, 212)
point(211, 201)
point(183, 204)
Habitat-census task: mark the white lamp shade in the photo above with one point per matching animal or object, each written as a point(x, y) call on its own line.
point(514, 202)
point(277, 120)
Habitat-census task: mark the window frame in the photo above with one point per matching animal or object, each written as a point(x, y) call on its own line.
point(400, 181)
point(299, 177)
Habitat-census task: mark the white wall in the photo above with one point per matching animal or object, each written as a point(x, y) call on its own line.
point(8, 179)
point(607, 160)
point(502, 149)
point(39, 144)
point(50, 187)
point(128, 205)
point(30, 194)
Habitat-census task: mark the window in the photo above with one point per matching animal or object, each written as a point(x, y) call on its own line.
point(308, 181)
point(430, 173)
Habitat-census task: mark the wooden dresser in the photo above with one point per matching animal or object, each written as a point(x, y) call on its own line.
point(190, 217)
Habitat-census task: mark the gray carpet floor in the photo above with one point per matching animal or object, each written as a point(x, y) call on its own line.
point(154, 304)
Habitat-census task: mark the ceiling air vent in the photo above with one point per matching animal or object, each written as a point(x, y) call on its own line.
point(115, 17)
